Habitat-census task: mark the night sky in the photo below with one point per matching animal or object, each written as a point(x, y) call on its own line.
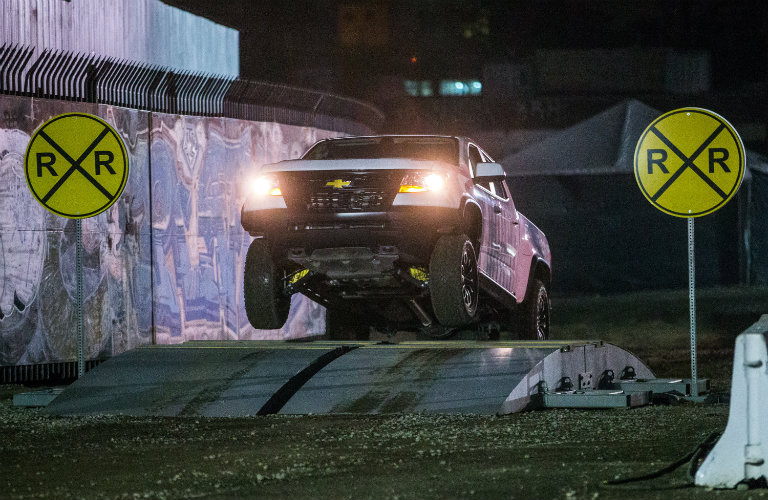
point(313, 44)
point(734, 32)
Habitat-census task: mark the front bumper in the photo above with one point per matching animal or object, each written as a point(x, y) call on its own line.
point(410, 232)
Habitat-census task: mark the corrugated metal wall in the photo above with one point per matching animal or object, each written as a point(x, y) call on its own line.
point(146, 31)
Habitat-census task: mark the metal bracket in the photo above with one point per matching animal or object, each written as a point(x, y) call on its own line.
point(663, 385)
point(596, 398)
point(606, 380)
point(565, 397)
point(563, 385)
point(628, 373)
point(585, 381)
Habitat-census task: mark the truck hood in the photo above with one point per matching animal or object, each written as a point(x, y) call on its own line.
point(356, 164)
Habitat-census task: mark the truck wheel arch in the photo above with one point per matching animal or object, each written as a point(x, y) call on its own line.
point(539, 270)
point(472, 221)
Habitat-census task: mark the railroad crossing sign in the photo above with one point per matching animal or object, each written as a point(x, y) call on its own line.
point(689, 162)
point(76, 165)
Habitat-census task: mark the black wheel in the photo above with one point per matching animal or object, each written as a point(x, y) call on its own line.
point(265, 304)
point(454, 285)
point(535, 313)
point(340, 325)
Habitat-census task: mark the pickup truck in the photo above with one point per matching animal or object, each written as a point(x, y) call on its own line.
point(395, 232)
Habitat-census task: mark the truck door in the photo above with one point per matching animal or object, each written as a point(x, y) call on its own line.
point(484, 261)
point(504, 249)
point(504, 231)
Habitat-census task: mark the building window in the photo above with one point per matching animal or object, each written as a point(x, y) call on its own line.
point(418, 88)
point(460, 87)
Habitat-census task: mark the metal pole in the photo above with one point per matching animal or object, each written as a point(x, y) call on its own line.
point(692, 306)
point(79, 298)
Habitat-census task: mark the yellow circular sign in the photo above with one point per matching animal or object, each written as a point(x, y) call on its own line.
point(689, 162)
point(76, 165)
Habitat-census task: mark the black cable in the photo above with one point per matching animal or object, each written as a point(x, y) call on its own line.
point(700, 453)
point(691, 459)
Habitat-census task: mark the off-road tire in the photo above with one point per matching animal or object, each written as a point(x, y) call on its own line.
point(535, 313)
point(265, 305)
point(453, 280)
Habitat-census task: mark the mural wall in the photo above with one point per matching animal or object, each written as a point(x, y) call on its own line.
point(164, 264)
point(199, 166)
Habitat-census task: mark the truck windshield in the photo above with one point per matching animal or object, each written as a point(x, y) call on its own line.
point(445, 149)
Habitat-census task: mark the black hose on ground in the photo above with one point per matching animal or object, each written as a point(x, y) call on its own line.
point(692, 459)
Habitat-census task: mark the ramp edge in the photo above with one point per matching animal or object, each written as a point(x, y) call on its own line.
point(592, 358)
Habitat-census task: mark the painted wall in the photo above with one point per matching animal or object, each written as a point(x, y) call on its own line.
point(164, 263)
point(198, 171)
point(147, 31)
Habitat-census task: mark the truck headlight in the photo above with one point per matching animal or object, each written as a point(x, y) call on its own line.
point(420, 182)
point(264, 185)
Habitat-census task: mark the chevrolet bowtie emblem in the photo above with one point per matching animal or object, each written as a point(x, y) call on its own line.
point(338, 183)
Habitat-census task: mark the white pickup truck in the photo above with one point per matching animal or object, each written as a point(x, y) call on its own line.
point(396, 232)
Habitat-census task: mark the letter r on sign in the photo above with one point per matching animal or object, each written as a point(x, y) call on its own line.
point(104, 159)
point(720, 159)
point(46, 160)
point(657, 160)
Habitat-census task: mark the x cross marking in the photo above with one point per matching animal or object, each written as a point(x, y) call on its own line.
point(688, 163)
point(75, 165)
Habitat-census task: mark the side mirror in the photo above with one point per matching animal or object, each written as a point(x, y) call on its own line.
point(489, 172)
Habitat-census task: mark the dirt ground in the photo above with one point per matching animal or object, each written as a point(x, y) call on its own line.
point(551, 454)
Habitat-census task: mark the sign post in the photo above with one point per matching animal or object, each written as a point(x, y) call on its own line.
point(79, 297)
point(692, 307)
point(689, 163)
point(76, 167)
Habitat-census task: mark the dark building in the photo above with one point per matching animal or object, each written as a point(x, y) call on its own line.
point(505, 70)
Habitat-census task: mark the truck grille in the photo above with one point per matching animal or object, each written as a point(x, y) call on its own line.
point(358, 200)
point(334, 191)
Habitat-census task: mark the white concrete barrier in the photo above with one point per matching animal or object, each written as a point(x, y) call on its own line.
point(739, 457)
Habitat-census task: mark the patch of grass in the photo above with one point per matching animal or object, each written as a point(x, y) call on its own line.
point(655, 326)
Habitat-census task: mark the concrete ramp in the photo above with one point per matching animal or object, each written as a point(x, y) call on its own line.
point(222, 379)
point(241, 378)
point(432, 377)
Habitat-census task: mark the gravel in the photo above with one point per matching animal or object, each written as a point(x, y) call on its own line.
point(544, 454)
point(552, 454)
